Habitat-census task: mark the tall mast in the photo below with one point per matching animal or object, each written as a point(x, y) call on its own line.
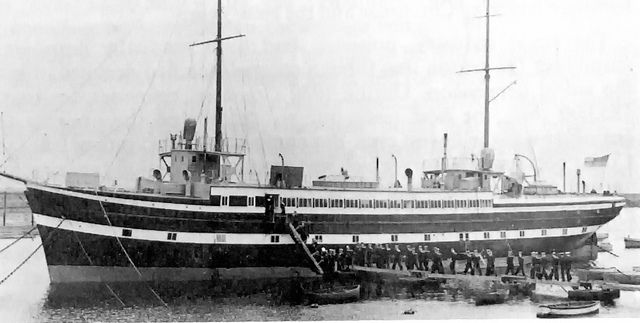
point(218, 40)
point(218, 144)
point(487, 77)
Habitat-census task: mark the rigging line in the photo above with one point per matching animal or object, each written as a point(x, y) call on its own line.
point(144, 97)
point(31, 254)
point(15, 241)
point(104, 212)
point(75, 234)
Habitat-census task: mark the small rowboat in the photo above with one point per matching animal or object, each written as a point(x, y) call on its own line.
point(602, 235)
point(336, 295)
point(570, 309)
point(605, 246)
point(630, 243)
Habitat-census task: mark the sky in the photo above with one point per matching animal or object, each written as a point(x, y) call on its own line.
point(92, 86)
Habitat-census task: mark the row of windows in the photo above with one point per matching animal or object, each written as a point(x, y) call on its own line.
point(356, 239)
point(463, 236)
point(240, 200)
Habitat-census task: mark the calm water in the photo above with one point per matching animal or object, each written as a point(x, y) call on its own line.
point(26, 296)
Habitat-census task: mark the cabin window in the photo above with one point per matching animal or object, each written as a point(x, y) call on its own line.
point(584, 229)
point(193, 159)
point(487, 235)
point(564, 231)
point(225, 200)
point(503, 234)
point(461, 236)
point(172, 236)
point(126, 232)
point(466, 236)
point(237, 200)
point(215, 200)
point(340, 203)
point(260, 201)
point(394, 238)
point(318, 238)
point(355, 239)
point(275, 239)
point(250, 201)
point(317, 203)
point(521, 233)
point(325, 203)
point(457, 203)
point(427, 237)
point(289, 201)
point(543, 232)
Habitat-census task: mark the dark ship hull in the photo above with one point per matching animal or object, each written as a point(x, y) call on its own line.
point(185, 239)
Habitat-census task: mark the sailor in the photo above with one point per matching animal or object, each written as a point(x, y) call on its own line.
point(469, 263)
point(397, 257)
point(341, 260)
point(476, 261)
point(436, 266)
point(563, 265)
point(555, 262)
point(520, 264)
point(568, 261)
point(419, 255)
point(544, 264)
point(452, 263)
point(491, 264)
point(375, 255)
point(348, 257)
point(425, 259)
point(534, 265)
point(410, 258)
point(510, 268)
point(367, 255)
point(388, 257)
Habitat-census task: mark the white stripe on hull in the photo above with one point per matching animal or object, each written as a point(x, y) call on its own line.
point(265, 239)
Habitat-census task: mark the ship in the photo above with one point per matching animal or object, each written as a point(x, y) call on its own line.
point(197, 219)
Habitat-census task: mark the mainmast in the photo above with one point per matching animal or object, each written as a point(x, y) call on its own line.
point(487, 77)
point(218, 144)
point(218, 40)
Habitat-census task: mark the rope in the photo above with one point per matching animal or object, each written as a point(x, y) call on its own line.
point(75, 234)
point(15, 241)
point(104, 212)
point(30, 255)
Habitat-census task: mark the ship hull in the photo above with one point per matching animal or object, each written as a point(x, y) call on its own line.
point(97, 237)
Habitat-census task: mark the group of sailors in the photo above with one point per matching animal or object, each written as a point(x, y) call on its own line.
point(543, 266)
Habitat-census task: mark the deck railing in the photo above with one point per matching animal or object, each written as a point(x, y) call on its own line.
point(229, 145)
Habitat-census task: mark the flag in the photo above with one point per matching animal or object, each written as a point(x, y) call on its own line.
point(596, 161)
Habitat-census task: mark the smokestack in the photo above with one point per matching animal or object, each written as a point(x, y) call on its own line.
point(409, 174)
point(578, 185)
point(377, 170)
point(584, 190)
point(564, 177)
point(444, 157)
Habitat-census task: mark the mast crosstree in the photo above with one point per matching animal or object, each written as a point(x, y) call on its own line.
point(218, 40)
point(487, 77)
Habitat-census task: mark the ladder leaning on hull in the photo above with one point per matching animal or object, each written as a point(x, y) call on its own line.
point(298, 239)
